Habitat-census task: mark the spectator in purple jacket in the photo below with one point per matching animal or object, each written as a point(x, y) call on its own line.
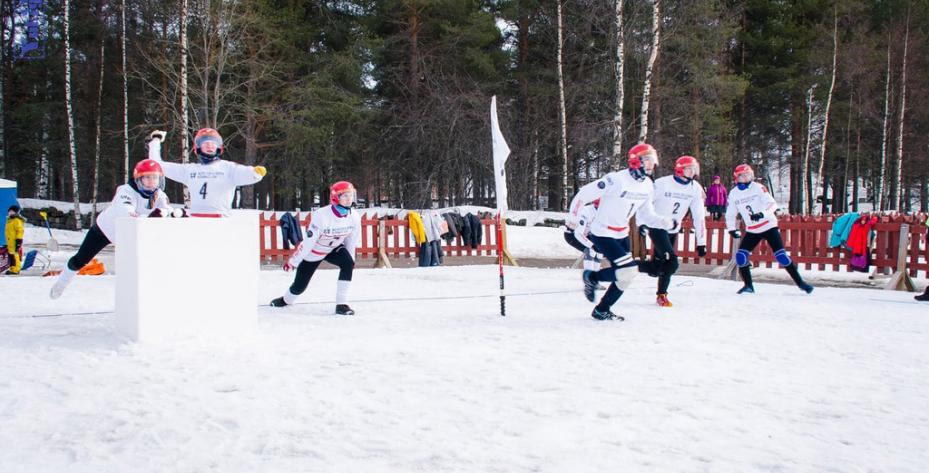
point(716, 199)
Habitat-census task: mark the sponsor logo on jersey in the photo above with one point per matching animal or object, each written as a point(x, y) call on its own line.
point(601, 185)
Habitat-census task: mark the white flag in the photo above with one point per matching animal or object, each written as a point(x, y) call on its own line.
point(501, 152)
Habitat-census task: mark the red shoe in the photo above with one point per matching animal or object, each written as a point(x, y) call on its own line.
point(662, 301)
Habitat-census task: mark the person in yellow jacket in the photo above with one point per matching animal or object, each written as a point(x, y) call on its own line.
point(417, 227)
point(15, 229)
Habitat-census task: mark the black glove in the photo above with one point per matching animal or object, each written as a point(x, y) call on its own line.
point(757, 216)
point(155, 214)
point(643, 230)
point(19, 245)
point(675, 226)
point(735, 234)
point(701, 250)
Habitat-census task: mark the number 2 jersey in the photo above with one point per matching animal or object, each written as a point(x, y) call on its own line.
point(621, 196)
point(751, 200)
point(673, 199)
point(211, 186)
point(328, 230)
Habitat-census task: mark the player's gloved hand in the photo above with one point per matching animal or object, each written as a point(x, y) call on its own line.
point(701, 250)
point(261, 170)
point(675, 226)
point(288, 265)
point(757, 216)
point(157, 134)
point(643, 230)
point(156, 214)
point(735, 234)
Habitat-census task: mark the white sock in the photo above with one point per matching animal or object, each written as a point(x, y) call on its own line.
point(591, 265)
point(341, 292)
point(290, 297)
point(62, 282)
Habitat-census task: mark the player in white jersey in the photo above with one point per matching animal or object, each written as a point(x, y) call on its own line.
point(755, 205)
point(333, 235)
point(622, 194)
point(674, 196)
point(143, 196)
point(212, 181)
point(576, 232)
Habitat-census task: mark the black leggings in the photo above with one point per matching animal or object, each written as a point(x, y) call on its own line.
point(664, 243)
point(92, 244)
point(573, 241)
point(339, 257)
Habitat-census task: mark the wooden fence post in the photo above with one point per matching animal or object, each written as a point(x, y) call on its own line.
point(900, 281)
point(382, 261)
point(508, 259)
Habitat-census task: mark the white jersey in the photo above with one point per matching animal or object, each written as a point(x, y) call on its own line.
point(621, 196)
point(673, 199)
point(328, 230)
point(211, 186)
point(586, 217)
point(754, 199)
point(128, 203)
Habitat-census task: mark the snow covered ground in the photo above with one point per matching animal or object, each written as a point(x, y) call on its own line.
point(778, 381)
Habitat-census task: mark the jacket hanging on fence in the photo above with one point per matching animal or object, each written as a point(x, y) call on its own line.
point(841, 228)
point(416, 226)
point(859, 243)
point(466, 233)
point(290, 230)
point(476, 230)
point(452, 228)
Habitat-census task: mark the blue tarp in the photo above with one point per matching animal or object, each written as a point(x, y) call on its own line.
point(7, 198)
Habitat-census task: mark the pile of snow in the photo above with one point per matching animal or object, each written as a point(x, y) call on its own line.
point(776, 381)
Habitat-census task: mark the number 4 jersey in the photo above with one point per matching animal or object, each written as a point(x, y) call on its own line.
point(673, 199)
point(211, 186)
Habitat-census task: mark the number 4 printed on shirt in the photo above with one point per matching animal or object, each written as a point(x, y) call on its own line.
point(203, 191)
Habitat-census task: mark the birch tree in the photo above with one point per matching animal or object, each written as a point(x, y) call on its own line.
point(125, 94)
point(96, 176)
point(561, 112)
point(879, 188)
point(899, 177)
point(620, 89)
point(652, 57)
point(805, 189)
point(822, 149)
point(72, 147)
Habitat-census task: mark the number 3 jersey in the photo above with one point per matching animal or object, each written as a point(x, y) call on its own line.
point(328, 230)
point(753, 200)
point(621, 196)
point(211, 186)
point(673, 199)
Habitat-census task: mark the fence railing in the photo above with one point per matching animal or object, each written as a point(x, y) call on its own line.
point(807, 240)
point(389, 237)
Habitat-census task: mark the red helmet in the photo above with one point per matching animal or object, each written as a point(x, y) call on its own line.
point(340, 188)
point(685, 162)
point(638, 151)
point(148, 167)
point(743, 169)
point(204, 135)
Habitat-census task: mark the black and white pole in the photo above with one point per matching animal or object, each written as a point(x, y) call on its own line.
point(500, 248)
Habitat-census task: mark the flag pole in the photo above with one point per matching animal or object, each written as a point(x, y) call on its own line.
point(500, 261)
point(500, 152)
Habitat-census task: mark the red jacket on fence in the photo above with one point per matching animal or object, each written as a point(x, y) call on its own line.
point(858, 238)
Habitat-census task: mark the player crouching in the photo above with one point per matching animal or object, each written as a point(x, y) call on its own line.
point(332, 236)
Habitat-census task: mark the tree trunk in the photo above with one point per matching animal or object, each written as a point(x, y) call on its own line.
point(43, 172)
point(72, 147)
point(620, 88)
point(563, 194)
point(899, 177)
point(879, 188)
point(822, 149)
point(2, 97)
point(125, 97)
point(806, 193)
point(185, 124)
point(796, 153)
point(652, 57)
point(843, 204)
point(855, 183)
point(96, 175)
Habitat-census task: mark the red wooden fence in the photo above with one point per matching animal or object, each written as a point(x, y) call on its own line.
point(807, 240)
point(399, 239)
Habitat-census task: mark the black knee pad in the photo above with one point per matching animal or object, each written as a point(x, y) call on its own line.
point(671, 265)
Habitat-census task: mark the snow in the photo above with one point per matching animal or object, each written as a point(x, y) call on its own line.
point(776, 381)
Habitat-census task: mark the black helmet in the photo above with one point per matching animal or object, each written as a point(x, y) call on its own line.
point(14, 208)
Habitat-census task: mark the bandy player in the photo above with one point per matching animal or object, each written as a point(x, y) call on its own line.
point(212, 181)
point(333, 235)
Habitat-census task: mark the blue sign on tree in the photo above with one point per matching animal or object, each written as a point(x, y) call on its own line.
point(31, 41)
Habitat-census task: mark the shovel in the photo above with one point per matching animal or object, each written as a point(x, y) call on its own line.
point(52, 244)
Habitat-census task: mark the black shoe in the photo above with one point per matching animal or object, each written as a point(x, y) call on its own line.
point(590, 286)
point(805, 288)
point(747, 290)
point(344, 309)
point(279, 302)
point(922, 297)
point(605, 315)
